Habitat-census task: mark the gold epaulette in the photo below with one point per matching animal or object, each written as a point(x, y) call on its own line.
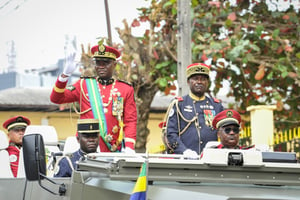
point(128, 83)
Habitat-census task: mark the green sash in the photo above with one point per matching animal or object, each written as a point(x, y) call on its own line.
point(97, 107)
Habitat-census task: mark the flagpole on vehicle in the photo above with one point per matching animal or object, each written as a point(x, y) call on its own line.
point(147, 169)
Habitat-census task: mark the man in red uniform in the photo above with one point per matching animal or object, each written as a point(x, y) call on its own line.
point(227, 123)
point(16, 128)
point(103, 97)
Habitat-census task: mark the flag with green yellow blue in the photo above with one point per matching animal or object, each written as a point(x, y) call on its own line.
point(140, 189)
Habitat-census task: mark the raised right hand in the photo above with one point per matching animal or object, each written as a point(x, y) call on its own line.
point(70, 64)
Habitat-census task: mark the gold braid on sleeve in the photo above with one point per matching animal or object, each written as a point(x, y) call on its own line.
point(58, 90)
point(82, 93)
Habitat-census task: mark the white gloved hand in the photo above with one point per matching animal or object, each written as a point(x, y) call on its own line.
point(261, 147)
point(190, 154)
point(127, 150)
point(70, 64)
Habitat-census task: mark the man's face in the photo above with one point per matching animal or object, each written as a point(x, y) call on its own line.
point(88, 142)
point(16, 134)
point(198, 84)
point(105, 67)
point(229, 135)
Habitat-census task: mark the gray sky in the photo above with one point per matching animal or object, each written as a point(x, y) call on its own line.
point(38, 27)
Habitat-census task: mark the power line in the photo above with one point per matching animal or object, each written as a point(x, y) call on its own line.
point(9, 6)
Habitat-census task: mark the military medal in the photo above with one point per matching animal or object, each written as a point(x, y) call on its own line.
point(117, 109)
point(108, 138)
point(115, 129)
point(208, 116)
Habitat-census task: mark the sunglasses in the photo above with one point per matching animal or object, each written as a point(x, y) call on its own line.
point(235, 130)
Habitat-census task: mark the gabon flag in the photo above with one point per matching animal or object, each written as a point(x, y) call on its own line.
point(140, 189)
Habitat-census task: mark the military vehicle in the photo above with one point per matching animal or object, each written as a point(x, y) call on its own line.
point(219, 174)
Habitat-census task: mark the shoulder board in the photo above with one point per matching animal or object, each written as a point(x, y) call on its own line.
point(179, 98)
point(70, 87)
point(124, 82)
point(217, 100)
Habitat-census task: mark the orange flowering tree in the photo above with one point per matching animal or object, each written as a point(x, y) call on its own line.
point(253, 45)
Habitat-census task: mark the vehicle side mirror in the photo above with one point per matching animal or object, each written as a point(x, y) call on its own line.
point(34, 156)
point(35, 162)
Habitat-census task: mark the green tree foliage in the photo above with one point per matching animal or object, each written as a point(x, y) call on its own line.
point(257, 52)
point(255, 49)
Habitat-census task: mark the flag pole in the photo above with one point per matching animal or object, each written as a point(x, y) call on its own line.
point(147, 169)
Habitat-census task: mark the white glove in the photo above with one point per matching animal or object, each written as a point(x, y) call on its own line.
point(70, 64)
point(261, 147)
point(127, 150)
point(190, 154)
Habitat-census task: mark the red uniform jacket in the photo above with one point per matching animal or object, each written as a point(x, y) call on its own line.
point(14, 153)
point(78, 93)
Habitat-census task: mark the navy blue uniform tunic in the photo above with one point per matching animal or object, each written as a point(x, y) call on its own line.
point(64, 169)
point(199, 131)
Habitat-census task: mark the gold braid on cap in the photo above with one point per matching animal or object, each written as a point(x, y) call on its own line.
point(16, 124)
point(197, 69)
point(102, 53)
point(226, 120)
point(98, 54)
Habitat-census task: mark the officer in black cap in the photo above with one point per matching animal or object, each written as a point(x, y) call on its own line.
point(88, 139)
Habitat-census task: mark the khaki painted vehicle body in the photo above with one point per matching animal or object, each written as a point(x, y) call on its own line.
point(219, 174)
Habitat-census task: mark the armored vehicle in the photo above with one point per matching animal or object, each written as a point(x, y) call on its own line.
point(218, 174)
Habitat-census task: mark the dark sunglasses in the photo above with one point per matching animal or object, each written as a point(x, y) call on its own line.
point(227, 130)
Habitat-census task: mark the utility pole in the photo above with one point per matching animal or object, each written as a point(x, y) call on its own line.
point(183, 44)
point(108, 23)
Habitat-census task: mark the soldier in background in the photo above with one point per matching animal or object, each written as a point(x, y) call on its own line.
point(88, 139)
point(189, 123)
point(227, 123)
point(16, 128)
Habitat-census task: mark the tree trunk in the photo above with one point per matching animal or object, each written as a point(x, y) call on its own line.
point(145, 95)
